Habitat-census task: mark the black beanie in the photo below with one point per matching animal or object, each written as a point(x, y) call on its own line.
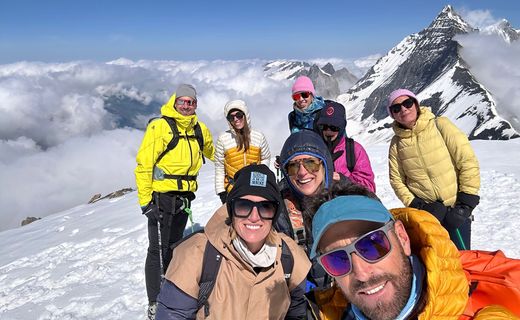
point(333, 114)
point(256, 180)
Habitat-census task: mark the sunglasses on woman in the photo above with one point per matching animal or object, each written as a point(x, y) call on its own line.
point(239, 115)
point(190, 103)
point(371, 247)
point(396, 108)
point(324, 127)
point(298, 95)
point(242, 208)
point(310, 164)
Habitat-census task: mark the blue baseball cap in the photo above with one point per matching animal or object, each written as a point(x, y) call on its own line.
point(346, 208)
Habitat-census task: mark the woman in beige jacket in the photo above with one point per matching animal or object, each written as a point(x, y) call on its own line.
point(251, 282)
point(432, 165)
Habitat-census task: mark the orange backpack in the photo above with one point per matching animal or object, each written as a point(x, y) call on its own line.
point(493, 278)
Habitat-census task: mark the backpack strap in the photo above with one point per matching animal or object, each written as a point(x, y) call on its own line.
point(287, 262)
point(210, 266)
point(200, 139)
point(350, 154)
point(175, 139)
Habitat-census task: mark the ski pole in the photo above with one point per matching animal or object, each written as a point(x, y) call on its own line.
point(460, 239)
point(159, 236)
point(160, 248)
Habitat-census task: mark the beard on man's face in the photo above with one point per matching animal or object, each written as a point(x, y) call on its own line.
point(402, 282)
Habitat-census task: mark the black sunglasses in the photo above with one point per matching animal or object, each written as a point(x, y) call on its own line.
point(396, 108)
point(239, 115)
point(242, 208)
point(324, 127)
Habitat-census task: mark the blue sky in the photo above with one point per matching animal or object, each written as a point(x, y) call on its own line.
point(64, 30)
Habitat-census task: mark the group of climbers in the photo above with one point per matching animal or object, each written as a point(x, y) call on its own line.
point(279, 243)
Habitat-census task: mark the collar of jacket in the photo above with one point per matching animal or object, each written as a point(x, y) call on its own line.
point(446, 290)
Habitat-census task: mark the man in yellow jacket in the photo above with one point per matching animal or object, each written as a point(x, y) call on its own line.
point(388, 265)
point(168, 162)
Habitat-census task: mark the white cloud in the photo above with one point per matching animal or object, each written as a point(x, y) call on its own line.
point(59, 145)
point(35, 182)
point(496, 65)
point(478, 18)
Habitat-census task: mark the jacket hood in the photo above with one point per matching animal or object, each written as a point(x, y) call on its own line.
point(309, 143)
point(431, 242)
point(183, 122)
point(239, 105)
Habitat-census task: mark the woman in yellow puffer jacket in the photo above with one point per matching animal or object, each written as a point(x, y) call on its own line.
point(432, 165)
point(237, 147)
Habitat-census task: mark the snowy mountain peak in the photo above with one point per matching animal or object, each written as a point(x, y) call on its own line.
point(429, 64)
point(327, 81)
point(449, 22)
point(504, 29)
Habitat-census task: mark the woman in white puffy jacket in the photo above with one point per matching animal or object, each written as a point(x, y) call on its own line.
point(237, 147)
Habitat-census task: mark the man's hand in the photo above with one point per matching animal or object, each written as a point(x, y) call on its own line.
point(151, 211)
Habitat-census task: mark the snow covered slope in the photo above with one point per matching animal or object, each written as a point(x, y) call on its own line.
point(87, 263)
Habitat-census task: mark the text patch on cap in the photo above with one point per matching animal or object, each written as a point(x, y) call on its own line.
point(258, 179)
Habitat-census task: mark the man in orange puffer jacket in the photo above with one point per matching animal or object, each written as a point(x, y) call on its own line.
point(397, 264)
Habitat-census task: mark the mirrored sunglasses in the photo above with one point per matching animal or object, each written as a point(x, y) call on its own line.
point(242, 208)
point(324, 127)
point(298, 95)
point(312, 165)
point(371, 247)
point(239, 116)
point(396, 108)
point(188, 102)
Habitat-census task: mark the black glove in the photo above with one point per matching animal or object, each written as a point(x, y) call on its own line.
point(223, 196)
point(470, 200)
point(417, 203)
point(152, 212)
point(462, 210)
point(343, 178)
point(437, 208)
point(457, 216)
point(277, 162)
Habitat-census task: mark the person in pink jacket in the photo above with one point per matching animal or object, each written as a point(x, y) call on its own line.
point(331, 125)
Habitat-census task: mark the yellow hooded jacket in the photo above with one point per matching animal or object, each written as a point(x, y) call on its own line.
point(229, 159)
point(185, 159)
point(446, 284)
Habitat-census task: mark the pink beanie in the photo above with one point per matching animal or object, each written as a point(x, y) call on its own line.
point(396, 94)
point(303, 83)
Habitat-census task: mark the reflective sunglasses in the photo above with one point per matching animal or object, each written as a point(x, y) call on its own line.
point(396, 108)
point(239, 115)
point(371, 247)
point(298, 95)
point(310, 164)
point(190, 103)
point(242, 208)
point(324, 127)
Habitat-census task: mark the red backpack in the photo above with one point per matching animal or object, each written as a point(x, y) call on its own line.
point(493, 278)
